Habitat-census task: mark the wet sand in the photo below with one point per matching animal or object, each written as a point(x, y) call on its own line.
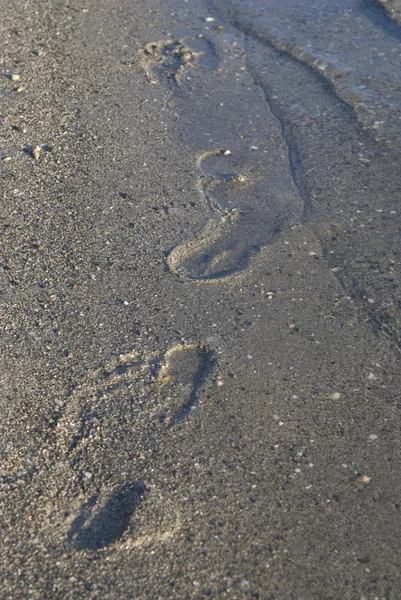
point(200, 306)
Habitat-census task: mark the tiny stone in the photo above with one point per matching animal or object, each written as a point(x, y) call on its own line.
point(227, 153)
point(19, 90)
point(373, 436)
point(254, 148)
point(335, 396)
point(36, 150)
point(372, 377)
point(7, 159)
point(371, 301)
point(15, 77)
point(209, 19)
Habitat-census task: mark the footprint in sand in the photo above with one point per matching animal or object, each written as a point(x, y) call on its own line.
point(109, 523)
point(248, 209)
point(169, 59)
point(113, 425)
point(250, 190)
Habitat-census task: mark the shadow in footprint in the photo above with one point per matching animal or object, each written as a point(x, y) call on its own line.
point(108, 525)
point(187, 365)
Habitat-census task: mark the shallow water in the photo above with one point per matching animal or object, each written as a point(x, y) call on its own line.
point(355, 44)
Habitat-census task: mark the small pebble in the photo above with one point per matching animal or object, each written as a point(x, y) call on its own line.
point(373, 436)
point(335, 396)
point(36, 150)
point(365, 479)
point(7, 159)
point(19, 90)
point(15, 77)
point(254, 148)
point(209, 19)
point(227, 153)
point(372, 377)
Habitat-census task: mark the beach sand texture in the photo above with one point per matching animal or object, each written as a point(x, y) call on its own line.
point(200, 301)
